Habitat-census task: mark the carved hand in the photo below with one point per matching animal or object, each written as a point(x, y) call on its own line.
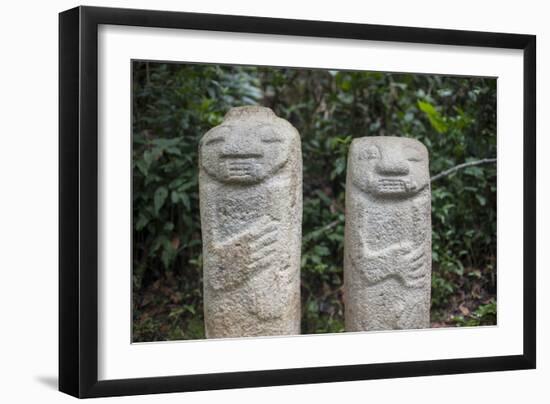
point(263, 242)
point(411, 266)
point(237, 258)
point(403, 261)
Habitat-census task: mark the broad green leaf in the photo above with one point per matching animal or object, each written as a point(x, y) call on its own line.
point(435, 118)
point(160, 197)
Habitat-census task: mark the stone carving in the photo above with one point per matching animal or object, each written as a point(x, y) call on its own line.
point(250, 183)
point(387, 259)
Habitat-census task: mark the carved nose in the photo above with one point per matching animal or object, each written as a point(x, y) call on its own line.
point(240, 150)
point(230, 149)
point(392, 167)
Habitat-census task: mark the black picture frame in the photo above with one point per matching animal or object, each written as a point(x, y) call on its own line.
point(78, 201)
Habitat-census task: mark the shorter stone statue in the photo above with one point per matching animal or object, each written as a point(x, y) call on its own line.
point(387, 258)
point(250, 183)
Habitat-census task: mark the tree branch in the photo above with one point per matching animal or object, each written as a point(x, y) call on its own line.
point(442, 174)
point(461, 166)
point(317, 232)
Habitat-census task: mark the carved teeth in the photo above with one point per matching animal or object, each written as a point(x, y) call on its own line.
point(240, 168)
point(240, 163)
point(392, 185)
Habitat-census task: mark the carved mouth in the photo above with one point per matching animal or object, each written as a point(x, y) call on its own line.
point(240, 168)
point(391, 185)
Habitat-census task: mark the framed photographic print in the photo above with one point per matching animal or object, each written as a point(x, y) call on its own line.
point(251, 201)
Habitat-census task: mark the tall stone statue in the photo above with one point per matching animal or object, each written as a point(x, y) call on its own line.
point(250, 183)
point(387, 258)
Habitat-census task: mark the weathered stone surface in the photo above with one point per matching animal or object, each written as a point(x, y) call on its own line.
point(387, 259)
point(250, 183)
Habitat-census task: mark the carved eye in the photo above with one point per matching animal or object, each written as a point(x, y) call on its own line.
point(218, 139)
point(268, 135)
point(415, 158)
point(272, 140)
point(217, 135)
point(373, 153)
point(413, 155)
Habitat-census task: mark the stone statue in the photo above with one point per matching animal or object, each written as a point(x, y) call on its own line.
point(387, 258)
point(250, 183)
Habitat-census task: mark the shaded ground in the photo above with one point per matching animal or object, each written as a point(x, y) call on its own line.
point(162, 314)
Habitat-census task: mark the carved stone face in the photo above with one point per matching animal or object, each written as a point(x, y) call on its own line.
point(391, 167)
point(246, 150)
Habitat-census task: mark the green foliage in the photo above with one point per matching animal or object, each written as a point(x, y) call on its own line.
point(174, 105)
point(485, 314)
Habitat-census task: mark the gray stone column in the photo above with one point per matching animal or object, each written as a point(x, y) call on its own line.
point(387, 258)
point(250, 183)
